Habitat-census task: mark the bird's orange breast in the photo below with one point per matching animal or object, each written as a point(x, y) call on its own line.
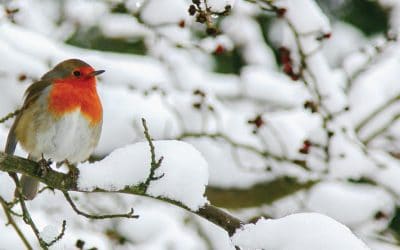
point(66, 97)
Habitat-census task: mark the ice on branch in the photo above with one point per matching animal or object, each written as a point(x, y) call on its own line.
point(184, 172)
point(303, 231)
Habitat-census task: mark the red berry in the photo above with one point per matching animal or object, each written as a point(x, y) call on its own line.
point(181, 23)
point(219, 49)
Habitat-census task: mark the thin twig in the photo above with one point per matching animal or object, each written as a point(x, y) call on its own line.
point(381, 130)
point(98, 217)
point(11, 221)
point(10, 115)
point(155, 164)
point(60, 235)
point(46, 188)
point(25, 212)
point(376, 112)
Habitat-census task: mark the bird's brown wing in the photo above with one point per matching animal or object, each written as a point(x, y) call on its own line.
point(31, 94)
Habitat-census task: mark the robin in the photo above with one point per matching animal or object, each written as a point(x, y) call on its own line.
point(61, 118)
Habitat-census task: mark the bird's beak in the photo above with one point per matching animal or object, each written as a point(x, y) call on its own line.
point(96, 72)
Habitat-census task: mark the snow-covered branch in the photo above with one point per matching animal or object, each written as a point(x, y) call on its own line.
point(65, 183)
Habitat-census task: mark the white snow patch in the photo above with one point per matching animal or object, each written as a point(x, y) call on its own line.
point(185, 174)
point(305, 15)
point(219, 5)
point(184, 168)
point(302, 231)
point(351, 204)
point(7, 187)
point(157, 12)
point(49, 233)
point(272, 86)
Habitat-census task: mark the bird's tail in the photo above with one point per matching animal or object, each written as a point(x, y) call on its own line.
point(11, 141)
point(29, 185)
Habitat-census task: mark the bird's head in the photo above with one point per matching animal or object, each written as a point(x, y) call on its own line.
point(73, 70)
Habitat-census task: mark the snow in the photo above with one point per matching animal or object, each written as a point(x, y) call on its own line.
point(49, 233)
point(389, 175)
point(181, 162)
point(157, 228)
point(210, 44)
point(130, 166)
point(313, 21)
point(219, 5)
point(246, 34)
point(86, 12)
point(259, 82)
point(233, 174)
point(357, 184)
point(7, 187)
point(338, 199)
point(302, 231)
point(346, 39)
point(349, 160)
point(154, 12)
point(121, 125)
point(122, 25)
point(134, 5)
point(9, 239)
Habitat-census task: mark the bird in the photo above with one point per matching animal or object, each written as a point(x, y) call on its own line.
point(60, 119)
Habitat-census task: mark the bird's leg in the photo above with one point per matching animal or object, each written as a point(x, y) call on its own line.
point(44, 166)
point(73, 170)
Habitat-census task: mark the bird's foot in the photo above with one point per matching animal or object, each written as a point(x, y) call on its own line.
point(44, 166)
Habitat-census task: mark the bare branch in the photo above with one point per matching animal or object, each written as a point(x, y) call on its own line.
point(98, 217)
point(10, 115)
point(60, 235)
point(155, 164)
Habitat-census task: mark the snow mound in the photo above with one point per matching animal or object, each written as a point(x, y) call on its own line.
point(302, 231)
point(184, 172)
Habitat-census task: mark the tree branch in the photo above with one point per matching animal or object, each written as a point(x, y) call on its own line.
point(65, 183)
point(255, 196)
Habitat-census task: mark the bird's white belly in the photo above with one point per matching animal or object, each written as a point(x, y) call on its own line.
point(69, 138)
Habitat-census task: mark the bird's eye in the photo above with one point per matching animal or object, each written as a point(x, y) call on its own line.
point(77, 73)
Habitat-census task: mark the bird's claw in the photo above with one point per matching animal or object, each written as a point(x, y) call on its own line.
point(73, 172)
point(44, 166)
